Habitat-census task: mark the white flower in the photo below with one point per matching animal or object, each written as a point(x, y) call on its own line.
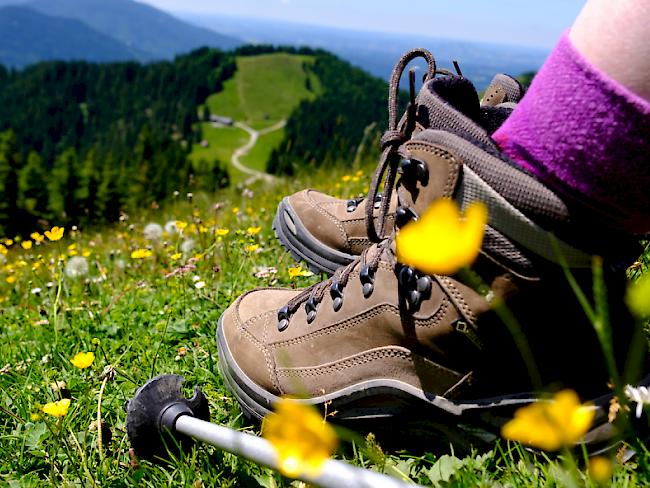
point(640, 395)
point(170, 227)
point(199, 284)
point(195, 278)
point(36, 291)
point(187, 245)
point(76, 267)
point(153, 232)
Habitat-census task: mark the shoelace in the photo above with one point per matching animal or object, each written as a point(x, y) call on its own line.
point(313, 295)
point(393, 138)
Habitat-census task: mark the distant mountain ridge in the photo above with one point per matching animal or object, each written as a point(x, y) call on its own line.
point(137, 25)
point(96, 30)
point(27, 36)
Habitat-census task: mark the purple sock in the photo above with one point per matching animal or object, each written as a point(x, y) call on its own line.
point(587, 137)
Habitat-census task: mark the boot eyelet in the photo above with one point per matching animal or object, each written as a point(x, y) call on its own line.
point(351, 205)
point(403, 216)
point(283, 318)
point(367, 280)
point(337, 296)
point(310, 308)
point(406, 277)
point(423, 286)
point(414, 169)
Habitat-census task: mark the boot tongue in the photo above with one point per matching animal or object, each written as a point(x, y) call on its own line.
point(502, 89)
point(451, 103)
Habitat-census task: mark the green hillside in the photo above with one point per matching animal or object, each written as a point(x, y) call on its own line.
point(264, 91)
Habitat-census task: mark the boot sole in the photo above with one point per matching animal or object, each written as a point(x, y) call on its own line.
point(399, 412)
point(303, 246)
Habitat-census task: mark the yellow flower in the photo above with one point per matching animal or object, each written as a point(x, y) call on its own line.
point(82, 360)
point(57, 409)
point(638, 297)
point(345, 178)
point(9, 242)
point(10, 279)
point(235, 210)
point(600, 469)
point(550, 425)
point(26, 244)
point(3, 249)
point(141, 254)
point(35, 417)
point(180, 225)
point(176, 256)
point(221, 232)
point(441, 241)
point(298, 271)
point(55, 234)
point(202, 229)
point(358, 173)
point(251, 247)
point(36, 237)
point(301, 437)
point(253, 230)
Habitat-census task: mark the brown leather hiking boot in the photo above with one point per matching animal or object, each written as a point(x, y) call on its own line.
point(381, 341)
point(327, 232)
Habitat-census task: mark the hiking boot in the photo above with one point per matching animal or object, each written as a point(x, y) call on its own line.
point(380, 341)
point(328, 232)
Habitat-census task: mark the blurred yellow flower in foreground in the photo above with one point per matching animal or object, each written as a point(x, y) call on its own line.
point(638, 297)
point(550, 425)
point(180, 225)
point(300, 436)
point(441, 241)
point(55, 234)
point(253, 230)
point(26, 245)
point(57, 409)
point(600, 469)
point(83, 360)
point(11, 279)
point(141, 254)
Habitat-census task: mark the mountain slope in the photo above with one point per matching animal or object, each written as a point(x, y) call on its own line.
point(137, 25)
point(27, 36)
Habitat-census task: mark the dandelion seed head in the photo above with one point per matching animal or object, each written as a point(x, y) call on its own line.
point(187, 245)
point(153, 231)
point(76, 267)
point(170, 227)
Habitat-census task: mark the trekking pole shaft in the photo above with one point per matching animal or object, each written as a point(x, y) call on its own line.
point(334, 473)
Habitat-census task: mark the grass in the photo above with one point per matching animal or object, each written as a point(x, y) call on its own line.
point(265, 89)
point(260, 153)
point(141, 321)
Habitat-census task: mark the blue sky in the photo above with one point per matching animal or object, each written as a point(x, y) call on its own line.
point(519, 22)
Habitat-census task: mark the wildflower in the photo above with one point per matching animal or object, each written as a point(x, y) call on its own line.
point(153, 232)
point(253, 230)
point(550, 425)
point(265, 271)
point(176, 256)
point(251, 248)
point(3, 249)
point(180, 225)
point(57, 409)
point(187, 245)
point(302, 439)
point(170, 227)
point(26, 245)
point(35, 291)
point(600, 469)
point(221, 232)
point(82, 360)
point(638, 297)
point(76, 267)
point(235, 210)
point(36, 237)
point(199, 284)
point(55, 234)
point(346, 178)
point(640, 395)
point(8, 242)
point(440, 241)
point(298, 271)
point(35, 417)
point(141, 254)
point(11, 279)
point(358, 173)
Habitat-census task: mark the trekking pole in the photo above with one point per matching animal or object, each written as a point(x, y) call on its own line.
point(160, 420)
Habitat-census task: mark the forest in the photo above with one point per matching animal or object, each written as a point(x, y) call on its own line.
point(83, 142)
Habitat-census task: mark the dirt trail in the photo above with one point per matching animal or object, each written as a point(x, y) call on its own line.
point(243, 150)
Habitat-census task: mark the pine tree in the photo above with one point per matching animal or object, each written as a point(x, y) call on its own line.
point(9, 167)
point(32, 186)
